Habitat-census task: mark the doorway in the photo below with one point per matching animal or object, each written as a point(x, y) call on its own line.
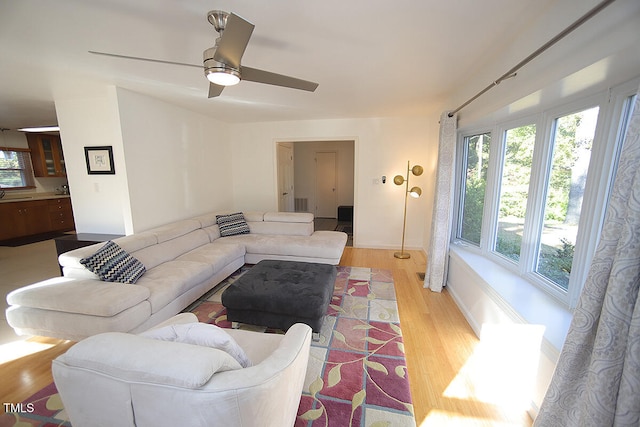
point(326, 204)
point(323, 181)
point(285, 177)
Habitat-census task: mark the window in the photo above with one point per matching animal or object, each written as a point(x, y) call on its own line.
point(572, 141)
point(15, 169)
point(514, 190)
point(476, 162)
point(534, 204)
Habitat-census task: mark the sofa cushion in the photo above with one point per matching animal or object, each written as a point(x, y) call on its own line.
point(169, 280)
point(174, 229)
point(253, 216)
point(281, 228)
point(201, 334)
point(74, 326)
point(206, 220)
point(213, 231)
point(169, 250)
point(113, 264)
point(321, 244)
point(218, 255)
point(133, 358)
point(137, 241)
point(79, 296)
point(232, 224)
point(288, 217)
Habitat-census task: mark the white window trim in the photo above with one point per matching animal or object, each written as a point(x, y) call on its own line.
point(609, 128)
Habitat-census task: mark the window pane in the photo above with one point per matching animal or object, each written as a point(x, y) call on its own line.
point(514, 189)
point(573, 137)
point(476, 162)
point(15, 169)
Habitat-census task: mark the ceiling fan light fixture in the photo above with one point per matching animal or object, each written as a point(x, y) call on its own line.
point(217, 72)
point(223, 76)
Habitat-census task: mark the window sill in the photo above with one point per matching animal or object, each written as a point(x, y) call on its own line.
point(520, 299)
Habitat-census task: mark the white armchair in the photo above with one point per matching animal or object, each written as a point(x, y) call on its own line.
point(128, 380)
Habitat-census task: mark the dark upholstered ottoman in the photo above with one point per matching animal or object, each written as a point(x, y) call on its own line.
point(278, 294)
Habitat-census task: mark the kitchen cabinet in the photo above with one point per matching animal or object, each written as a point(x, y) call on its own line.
point(26, 218)
point(60, 214)
point(46, 155)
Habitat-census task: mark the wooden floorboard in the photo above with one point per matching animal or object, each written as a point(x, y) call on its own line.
point(441, 351)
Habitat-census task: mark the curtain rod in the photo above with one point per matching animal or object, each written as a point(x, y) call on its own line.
point(513, 71)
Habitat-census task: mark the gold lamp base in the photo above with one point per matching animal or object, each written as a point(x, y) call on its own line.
point(402, 255)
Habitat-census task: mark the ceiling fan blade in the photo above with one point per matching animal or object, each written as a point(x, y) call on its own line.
point(233, 41)
point(215, 90)
point(139, 58)
point(261, 76)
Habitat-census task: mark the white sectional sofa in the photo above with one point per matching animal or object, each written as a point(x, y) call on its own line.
point(183, 260)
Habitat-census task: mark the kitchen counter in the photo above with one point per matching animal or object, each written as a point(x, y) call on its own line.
point(8, 198)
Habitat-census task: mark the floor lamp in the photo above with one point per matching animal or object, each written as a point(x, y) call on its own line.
point(414, 192)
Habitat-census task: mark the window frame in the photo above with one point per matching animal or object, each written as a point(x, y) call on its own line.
point(492, 220)
point(610, 126)
point(27, 172)
point(461, 169)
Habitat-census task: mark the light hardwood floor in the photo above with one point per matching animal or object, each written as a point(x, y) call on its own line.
point(449, 381)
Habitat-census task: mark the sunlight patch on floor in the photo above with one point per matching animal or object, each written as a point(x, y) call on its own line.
point(17, 349)
point(502, 370)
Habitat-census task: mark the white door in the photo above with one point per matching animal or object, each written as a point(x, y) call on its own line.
point(326, 206)
point(285, 178)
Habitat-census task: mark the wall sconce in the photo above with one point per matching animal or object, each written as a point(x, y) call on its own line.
point(414, 192)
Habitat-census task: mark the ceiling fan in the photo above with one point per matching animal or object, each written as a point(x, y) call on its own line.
point(221, 62)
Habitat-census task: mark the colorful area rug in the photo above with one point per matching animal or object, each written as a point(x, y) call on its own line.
point(357, 374)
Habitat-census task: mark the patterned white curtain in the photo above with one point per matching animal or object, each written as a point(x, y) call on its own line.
point(438, 256)
point(597, 379)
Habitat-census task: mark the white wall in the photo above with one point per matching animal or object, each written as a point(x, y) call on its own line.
point(100, 202)
point(177, 161)
point(382, 147)
point(304, 170)
point(170, 163)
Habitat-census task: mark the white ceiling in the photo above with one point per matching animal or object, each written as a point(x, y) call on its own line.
point(372, 58)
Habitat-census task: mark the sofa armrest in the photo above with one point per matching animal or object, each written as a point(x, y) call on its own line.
point(290, 354)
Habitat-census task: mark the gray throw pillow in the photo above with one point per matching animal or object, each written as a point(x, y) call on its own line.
point(232, 224)
point(113, 264)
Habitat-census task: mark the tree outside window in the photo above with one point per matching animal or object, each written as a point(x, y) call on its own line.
point(572, 141)
point(15, 169)
point(514, 190)
point(476, 160)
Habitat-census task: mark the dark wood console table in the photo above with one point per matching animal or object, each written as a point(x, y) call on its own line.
point(70, 242)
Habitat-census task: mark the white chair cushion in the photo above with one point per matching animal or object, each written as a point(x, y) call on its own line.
point(201, 334)
point(133, 358)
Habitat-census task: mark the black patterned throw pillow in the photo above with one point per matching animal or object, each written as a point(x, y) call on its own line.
point(232, 224)
point(113, 264)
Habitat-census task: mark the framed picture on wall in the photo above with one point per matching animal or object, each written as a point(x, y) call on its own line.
point(99, 160)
